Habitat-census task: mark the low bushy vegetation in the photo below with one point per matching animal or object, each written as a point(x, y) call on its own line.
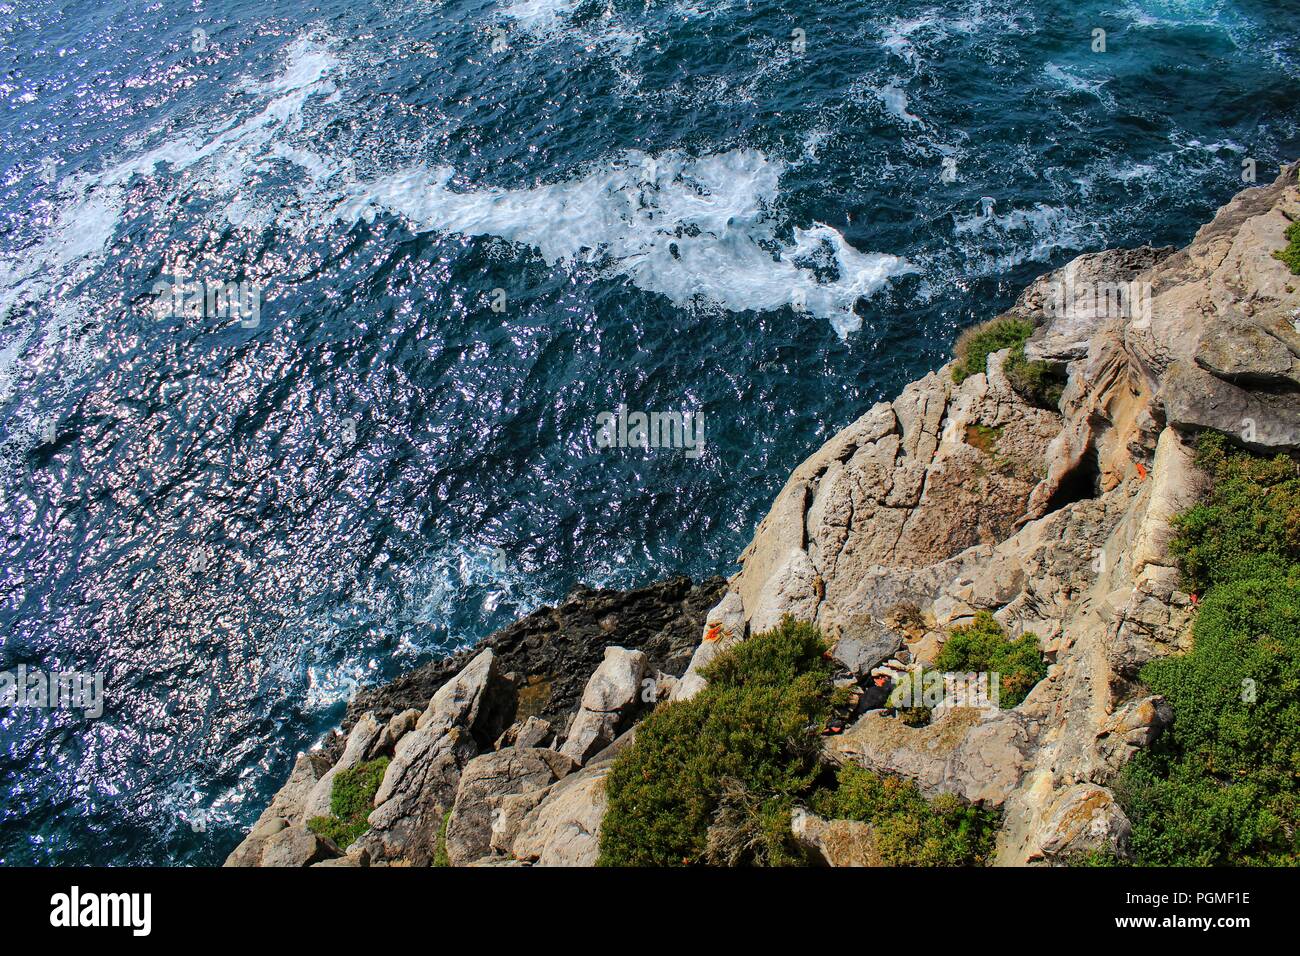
point(751, 737)
point(1291, 254)
point(1039, 383)
point(983, 646)
point(1250, 524)
point(976, 344)
point(440, 857)
point(351, 800)
point(1221, 786)
point(910, 830)
point(713, 780)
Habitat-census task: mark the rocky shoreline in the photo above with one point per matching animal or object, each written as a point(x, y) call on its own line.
point(959, 497)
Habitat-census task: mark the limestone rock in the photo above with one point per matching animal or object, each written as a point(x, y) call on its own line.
point(533, 732)
point(484, 782)
point(1086, 819)
point(564, 829)
point(861, 651)
point(509, 817)
point(614, 689)
point(792, 589)
point(724, 627)
point(354, 857)
point(478, 699)
point(988, 763)
point(286, 808)
point(398, 726)
point(885, 745)
point(1087, 286)
point(1133, 727)
point(417, 791)
point(297, 846)
point(835, 842)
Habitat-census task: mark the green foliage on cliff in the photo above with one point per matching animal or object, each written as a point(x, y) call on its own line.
point(1039, 383)
point(976, 344)
point(1249, 526)
point(910, 830)
point(1291, 254)
point(714, 779)
point(983, 646)
point(1222, 785)
point(351, 800)
point(746, 745)
point(440, 857)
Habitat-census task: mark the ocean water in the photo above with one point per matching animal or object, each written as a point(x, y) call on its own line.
point(461, 231)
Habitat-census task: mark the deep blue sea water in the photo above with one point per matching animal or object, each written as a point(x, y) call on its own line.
point(734, 208)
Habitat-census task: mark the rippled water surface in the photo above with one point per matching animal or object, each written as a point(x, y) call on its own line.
point(472, 227)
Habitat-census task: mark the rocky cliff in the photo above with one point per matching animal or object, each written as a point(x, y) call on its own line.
point(955, 498)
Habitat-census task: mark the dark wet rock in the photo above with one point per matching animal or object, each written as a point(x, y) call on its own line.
point(554, 651)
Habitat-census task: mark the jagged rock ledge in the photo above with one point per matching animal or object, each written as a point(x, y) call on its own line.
point(950, 500)
point(523, 686)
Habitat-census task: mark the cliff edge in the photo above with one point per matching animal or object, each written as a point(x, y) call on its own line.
point(961, 496)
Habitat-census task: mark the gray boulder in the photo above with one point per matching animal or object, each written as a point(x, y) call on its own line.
point(297, 846)
point(835, 842)
point(479, 699)
point(485, 781)
point(397, 727)
point(859, 652)
point(1086, 819)
point(564, 829)
point(286, 808)
point(413, 799)
point(611, 693)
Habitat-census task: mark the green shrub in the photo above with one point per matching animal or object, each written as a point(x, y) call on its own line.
point(976, 344)
point(1097, 859)
point(1291, 254)
point(351, 800)
point(714, 779)
point(1221, 786)
point(1039, 383)
point(736, 755)
point(983, 646)
point(910, 830)
point(440, 857)
point(1249, 526)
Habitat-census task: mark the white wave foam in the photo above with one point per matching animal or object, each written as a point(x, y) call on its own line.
point(687, 228)
point(693, 229)
point(895, 101)
point(91, 213)
point(539, 16)
point(544, 18)
point(918, 39)
point(1069, 78)
point(1031, 234)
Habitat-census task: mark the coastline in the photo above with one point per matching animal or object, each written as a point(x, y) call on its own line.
point(956, 498)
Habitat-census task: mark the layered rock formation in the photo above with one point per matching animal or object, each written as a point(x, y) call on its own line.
point(473, 740)
point(950, 500)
